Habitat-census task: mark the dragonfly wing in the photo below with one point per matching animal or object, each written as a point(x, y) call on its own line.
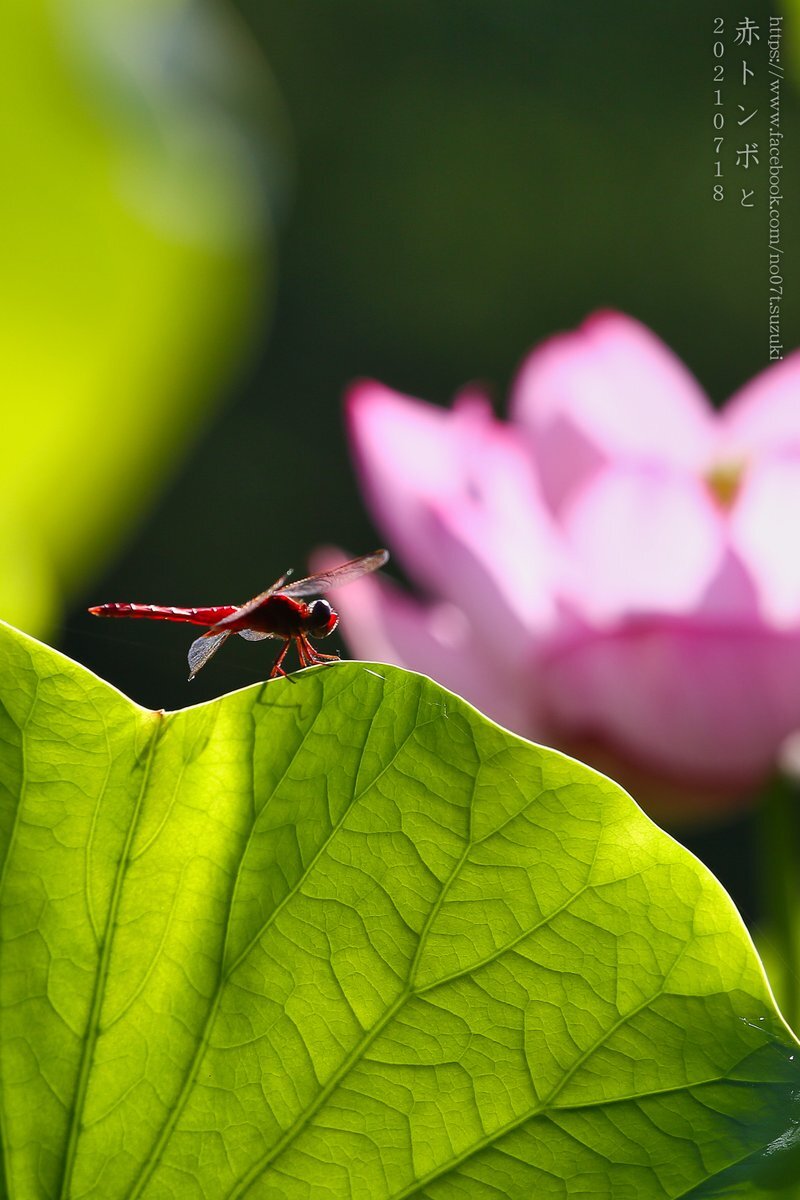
point(252, 635)
point(278, 584)
point(312, 585)
point(202, 649)
point(315, 585)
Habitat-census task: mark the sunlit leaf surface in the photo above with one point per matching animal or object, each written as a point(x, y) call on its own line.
point(342, 937)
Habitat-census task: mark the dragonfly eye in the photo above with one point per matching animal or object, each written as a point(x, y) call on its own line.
point(322, 620)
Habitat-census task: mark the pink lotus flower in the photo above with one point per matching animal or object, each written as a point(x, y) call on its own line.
point(615, 571)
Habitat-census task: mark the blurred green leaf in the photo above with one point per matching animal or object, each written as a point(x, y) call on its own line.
point(341, 936)
point(135, 228)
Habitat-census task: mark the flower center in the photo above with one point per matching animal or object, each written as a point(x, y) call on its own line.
point(724, 481)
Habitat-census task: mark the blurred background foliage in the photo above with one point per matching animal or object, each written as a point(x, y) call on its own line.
point(137, 151)
point(466, 178)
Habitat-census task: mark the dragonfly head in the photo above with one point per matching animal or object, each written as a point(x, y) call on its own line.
point(321, 619)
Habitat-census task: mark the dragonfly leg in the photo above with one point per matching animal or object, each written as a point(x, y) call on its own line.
point(277, 668)
point(300, 647)
point(313, 657)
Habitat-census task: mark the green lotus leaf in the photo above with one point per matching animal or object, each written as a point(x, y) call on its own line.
point(341, 936)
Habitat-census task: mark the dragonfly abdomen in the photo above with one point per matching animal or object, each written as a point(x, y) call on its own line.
point(162, 612)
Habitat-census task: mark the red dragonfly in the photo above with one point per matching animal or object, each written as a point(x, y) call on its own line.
point(279, 612)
